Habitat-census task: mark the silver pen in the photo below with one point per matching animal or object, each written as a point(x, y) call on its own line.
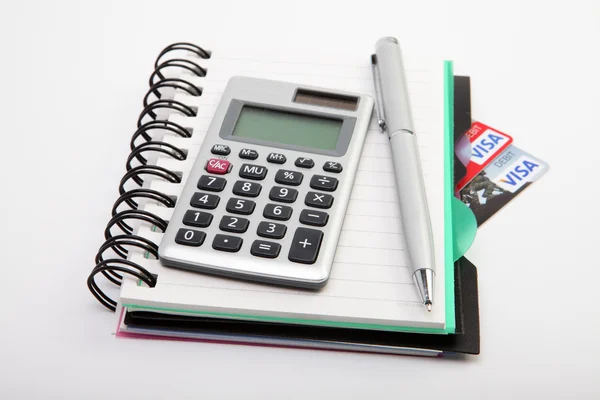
point(394, 116)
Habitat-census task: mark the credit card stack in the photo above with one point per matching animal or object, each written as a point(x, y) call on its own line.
point(496, 170)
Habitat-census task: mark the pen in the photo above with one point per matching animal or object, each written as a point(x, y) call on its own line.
point(394, 116)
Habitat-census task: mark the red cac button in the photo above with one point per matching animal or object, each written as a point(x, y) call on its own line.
point(216, 166)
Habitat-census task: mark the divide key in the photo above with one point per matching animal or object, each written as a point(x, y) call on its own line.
point(323, 182)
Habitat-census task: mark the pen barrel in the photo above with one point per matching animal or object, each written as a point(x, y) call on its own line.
point(414, 210)
point(394, 88)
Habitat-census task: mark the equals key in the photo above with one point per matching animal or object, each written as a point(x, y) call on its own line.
point(262, 248)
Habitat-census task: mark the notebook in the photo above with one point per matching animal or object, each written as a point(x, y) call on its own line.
point(465, 340)
point(371, 285)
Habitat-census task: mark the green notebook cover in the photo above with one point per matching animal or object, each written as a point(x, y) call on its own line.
point(448, 243)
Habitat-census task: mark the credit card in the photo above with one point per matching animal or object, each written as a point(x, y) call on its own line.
point(486, 144)
point(501, 181)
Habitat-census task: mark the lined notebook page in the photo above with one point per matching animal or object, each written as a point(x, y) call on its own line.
point(370, 281)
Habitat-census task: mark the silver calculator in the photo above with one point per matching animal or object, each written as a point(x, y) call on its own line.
point(268, 192)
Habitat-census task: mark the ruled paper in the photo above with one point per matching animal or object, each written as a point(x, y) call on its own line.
point(370, 281)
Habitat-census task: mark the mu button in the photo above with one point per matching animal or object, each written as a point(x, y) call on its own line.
point(255, 172)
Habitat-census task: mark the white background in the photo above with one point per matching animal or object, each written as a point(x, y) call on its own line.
point(72, 76)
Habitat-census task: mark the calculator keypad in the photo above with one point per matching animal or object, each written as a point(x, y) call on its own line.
point(306, 242)
point(286, 177)
point(271, 230)
point(322, 182)
point(248, 189)
point(305, 246)
point(198, 219)
point(283, 194)
point(204, 200)
point(228, 243)
point(319, 200)
point(262, 248)
point(234, 224)
point(278, 212)
point(211, 183)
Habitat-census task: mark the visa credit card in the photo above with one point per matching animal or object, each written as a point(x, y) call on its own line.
point(508, 175)
point(514, 168)
point(486, 144)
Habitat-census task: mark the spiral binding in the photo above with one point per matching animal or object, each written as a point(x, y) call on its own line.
point(142, 144)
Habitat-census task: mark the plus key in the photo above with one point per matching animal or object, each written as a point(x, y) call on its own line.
point(305, 246)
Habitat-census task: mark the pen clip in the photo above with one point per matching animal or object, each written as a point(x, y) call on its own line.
point(378, 97)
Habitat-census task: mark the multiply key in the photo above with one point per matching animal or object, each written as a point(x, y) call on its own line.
point(319, 200)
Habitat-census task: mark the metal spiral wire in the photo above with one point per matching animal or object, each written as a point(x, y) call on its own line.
point(111, 260)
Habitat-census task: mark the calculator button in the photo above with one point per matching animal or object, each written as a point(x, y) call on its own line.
point(283, 194)
point(248, 154)
point(305, 246)
point(271, 230)
point(314, 217)
point(218, 166)
point(323, 182)
point(240, 206)
point(255, 172)
point(227, 243)
point(304, 162)
point(190, 237)
point(275, 211)
point(197, 218)
point(220, 149)
point(276, 158)
point(331, 166)
point(248, 189)
point(319, 200)
point(262, 248)
point(212, 183)
point(286, 177)
point(234, 224)
point(204, 200)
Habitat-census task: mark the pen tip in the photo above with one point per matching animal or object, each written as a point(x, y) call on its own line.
point(429, 307)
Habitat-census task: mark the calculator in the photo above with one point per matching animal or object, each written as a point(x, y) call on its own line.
point(267, 195)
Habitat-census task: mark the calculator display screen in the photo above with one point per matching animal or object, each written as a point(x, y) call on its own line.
point(288, 128)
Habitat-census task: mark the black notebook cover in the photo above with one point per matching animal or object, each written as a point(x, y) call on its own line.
point(465, 340)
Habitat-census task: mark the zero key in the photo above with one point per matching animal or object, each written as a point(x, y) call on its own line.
point(305, 246)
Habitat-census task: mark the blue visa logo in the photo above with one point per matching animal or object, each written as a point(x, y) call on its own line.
point(487, 146)
point(518, 174)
